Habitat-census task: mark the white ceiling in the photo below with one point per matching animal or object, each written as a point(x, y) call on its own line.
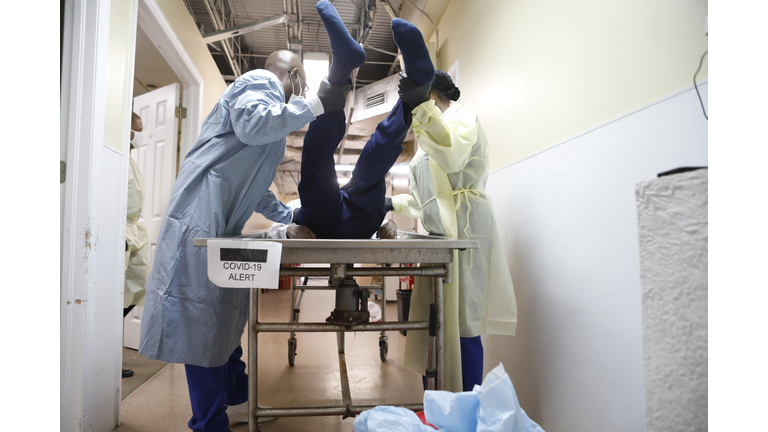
point(150, 69)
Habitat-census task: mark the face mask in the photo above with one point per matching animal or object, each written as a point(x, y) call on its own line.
point(137, 138)
point(302, 89)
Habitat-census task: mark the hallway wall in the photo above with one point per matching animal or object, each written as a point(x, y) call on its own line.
point(178, 16)
point(567, 217)
point(579, 101)
point(540, 72)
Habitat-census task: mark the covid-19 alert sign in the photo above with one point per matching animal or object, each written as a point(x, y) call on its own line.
point(244, 264)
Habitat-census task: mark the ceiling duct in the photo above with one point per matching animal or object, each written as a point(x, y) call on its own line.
point(375, 99)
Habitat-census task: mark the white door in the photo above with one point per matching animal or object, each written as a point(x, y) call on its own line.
point(156, 158)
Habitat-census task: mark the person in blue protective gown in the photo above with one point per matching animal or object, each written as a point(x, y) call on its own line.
point(223, 179)
point(357, 209)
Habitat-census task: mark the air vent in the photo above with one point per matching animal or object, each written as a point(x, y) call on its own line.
point(375, 100)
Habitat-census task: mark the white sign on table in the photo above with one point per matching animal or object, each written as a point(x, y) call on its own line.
point(244, 264)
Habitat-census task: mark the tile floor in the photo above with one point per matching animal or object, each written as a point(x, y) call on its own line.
point(162, 404)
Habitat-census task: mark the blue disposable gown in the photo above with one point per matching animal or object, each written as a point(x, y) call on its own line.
point(222, 181)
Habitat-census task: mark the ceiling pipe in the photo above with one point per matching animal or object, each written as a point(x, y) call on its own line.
point(295, 31)
point(382, 51)
point(320, 23)
point(299, 32)
point(367, 20)
point(247, 28)
point(437, 35)
point(287, 28)
point(399, 58)
point(225, 43)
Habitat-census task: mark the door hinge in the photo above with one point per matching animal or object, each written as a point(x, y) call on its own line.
point(181, 112)
point(63, 171)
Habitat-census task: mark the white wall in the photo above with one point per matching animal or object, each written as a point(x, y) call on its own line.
point(539, 72)
point(567, 217)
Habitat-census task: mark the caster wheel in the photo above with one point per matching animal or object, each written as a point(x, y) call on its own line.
point(291, 351)
point(383, 349)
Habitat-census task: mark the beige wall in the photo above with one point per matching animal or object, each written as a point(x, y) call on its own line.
point(119, 74)
point(540, 72)
point(178, 16)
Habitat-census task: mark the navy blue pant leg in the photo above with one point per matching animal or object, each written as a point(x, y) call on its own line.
point(237, 379)
point(212, 389)
point(363, 196)
point(367, 186)
point(319, 186)
point(357, 210)
point(471, 362)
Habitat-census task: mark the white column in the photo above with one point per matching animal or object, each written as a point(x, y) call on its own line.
point(92, 219)
point(673, 232)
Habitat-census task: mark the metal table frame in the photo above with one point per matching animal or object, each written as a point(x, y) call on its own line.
point(434, 256)
point(295, 307)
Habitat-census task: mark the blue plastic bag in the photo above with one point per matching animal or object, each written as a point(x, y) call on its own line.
point(451, 412)
point(499, 408)
point(389, 419)
point(490, 407)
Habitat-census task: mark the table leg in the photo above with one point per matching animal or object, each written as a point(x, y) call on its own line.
point(253, 368)
point(440, 343)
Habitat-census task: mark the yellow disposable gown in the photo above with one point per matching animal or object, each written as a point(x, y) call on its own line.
point(136, 262)
point(448, 176)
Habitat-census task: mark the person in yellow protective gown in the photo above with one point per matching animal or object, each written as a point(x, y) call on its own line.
point(448, 176)
point(136, 241)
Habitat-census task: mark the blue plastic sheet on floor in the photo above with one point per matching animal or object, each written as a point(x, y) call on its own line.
point(390, 419)
point(490, 407)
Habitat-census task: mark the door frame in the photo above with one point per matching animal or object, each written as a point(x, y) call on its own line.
point(159, 30)
point(85, 40)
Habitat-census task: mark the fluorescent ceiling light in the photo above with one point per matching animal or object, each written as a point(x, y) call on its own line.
point(343, 180)
point(399, 169)
point(316, 67)
point(345, 167)
point(402, 182)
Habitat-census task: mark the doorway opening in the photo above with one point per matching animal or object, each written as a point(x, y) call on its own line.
point(163, 71)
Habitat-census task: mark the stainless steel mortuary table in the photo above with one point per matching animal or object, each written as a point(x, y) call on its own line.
point(434, 256)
